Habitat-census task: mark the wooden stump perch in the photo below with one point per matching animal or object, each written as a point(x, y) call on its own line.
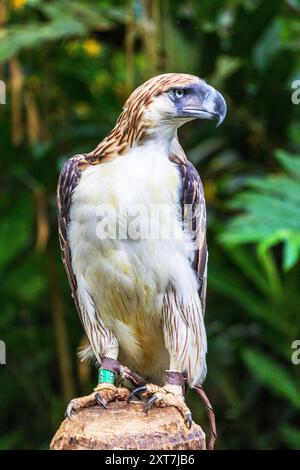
point(127, 426)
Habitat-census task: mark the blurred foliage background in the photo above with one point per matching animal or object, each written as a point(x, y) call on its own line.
point(68, 67)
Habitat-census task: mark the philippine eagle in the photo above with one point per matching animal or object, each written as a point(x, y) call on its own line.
point(132, 229)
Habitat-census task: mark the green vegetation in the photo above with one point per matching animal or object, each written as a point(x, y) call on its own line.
point(68, 67)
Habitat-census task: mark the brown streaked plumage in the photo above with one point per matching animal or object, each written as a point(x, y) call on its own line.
point(130, 127)
point(126, 132)
point(142, 300)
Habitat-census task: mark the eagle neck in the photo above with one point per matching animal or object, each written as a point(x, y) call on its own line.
point(123, 138)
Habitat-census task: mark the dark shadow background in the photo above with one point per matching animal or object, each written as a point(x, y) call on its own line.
point(68, 67)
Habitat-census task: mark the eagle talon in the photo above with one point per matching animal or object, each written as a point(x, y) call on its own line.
point(151, 402)
point(102, 395)
point(68, 412)
point(168, 395)
point(137, 391)
point(189, 420)
point(100, 400)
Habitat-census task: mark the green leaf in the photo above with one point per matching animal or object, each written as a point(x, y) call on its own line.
point(273, 376)
point(225, 67)
point(291, 436)
point(277, 185)
point(270, 215)
point(244, 259)
point(235, 289)
point(289, 162)
point(291, 251)
point(16, 230)
point(65, 19)
point(270, 268)
point(14, 39)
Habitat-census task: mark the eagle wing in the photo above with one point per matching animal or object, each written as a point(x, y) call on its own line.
point(68, 179)
point(96, 331)
point(184, 328)
point(194, 215)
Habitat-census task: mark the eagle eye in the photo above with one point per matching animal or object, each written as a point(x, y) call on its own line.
point(179, 92)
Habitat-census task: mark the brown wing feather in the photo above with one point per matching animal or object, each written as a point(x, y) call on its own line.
point(99, 336)
point(192, 197)
point(184, 329)
point(67, 182)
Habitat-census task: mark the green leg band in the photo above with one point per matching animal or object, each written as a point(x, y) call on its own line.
point(106, 376)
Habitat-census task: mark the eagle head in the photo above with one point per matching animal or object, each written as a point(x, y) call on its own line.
point(158, 107)
point(174, 99)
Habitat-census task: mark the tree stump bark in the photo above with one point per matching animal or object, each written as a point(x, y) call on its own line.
point(127, 426)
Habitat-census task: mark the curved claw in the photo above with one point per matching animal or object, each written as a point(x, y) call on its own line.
point(68, 412)
point(137, 391)
point(189, 420)
point(100, 401)
point(151, 402)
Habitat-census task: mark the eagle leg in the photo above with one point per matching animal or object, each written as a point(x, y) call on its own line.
point(106, 391)
point(103, 394)
point(168, 395)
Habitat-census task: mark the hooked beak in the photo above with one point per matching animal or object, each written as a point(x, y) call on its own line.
point(211, 105)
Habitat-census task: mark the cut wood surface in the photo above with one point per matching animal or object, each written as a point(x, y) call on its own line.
point(127, 426)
